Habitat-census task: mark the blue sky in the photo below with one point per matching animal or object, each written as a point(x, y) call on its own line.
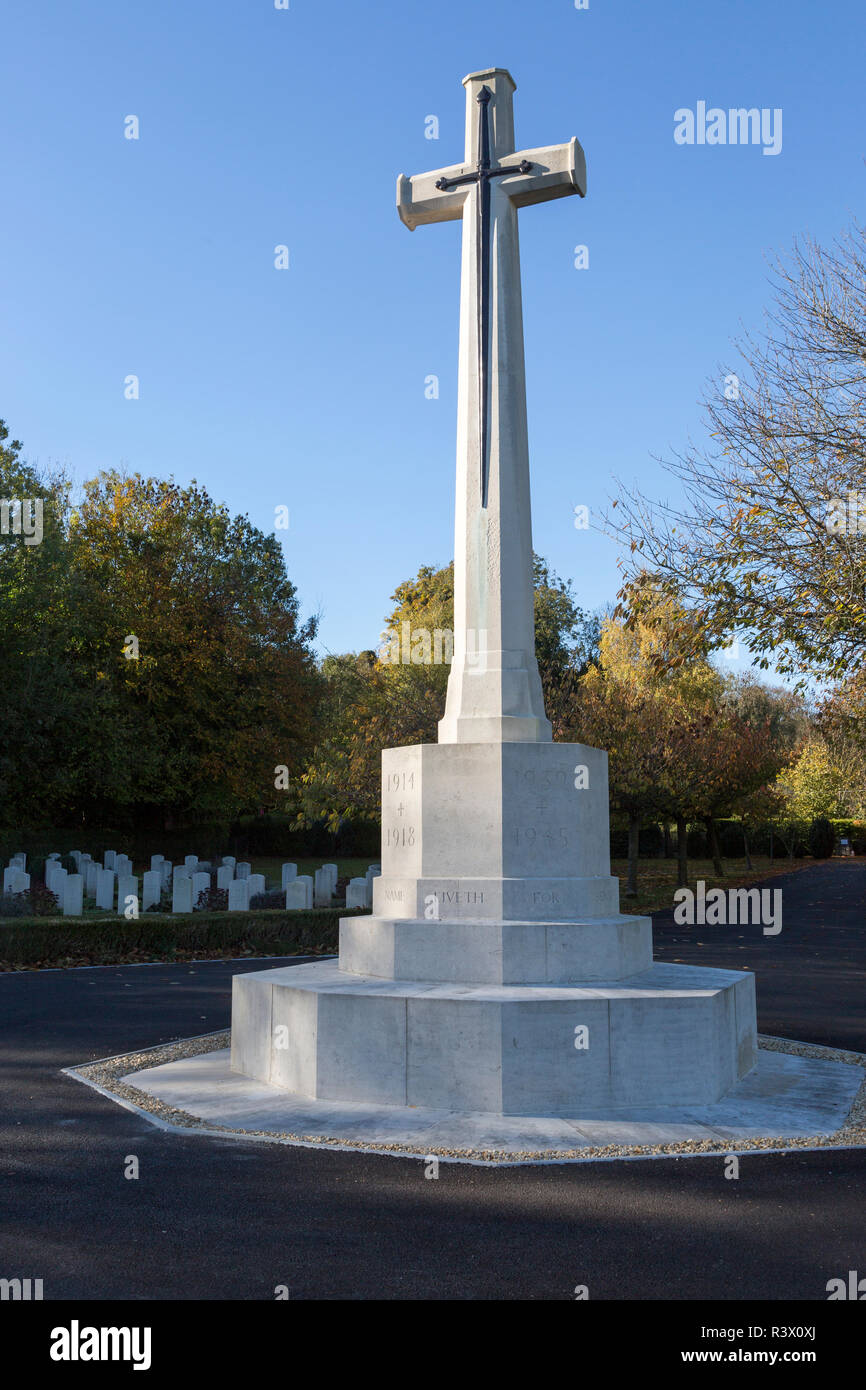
point(305, 388)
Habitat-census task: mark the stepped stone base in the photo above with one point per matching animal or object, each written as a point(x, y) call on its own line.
point(496, 953)
point(496, 974)
point(673, 1034)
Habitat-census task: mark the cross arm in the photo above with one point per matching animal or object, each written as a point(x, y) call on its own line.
point(419, 200)
point(557, 171)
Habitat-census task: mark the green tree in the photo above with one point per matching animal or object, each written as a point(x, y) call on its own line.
point(632, 725)
point(816, 785)
point(841, 722)
point(679, 747)
point(201, 677)
point(42, 701)
point(764, 542)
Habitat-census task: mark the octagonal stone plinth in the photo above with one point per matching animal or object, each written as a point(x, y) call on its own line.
point(504, 832)
point(498, 953)
point(673, 1035)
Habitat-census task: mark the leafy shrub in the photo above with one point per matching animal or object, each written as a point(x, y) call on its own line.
point(266, 901)
point(43, 903)
point(212, 900)
point(16, 905)
point(164, 904)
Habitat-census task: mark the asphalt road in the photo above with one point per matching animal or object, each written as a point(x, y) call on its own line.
point(225, 1219)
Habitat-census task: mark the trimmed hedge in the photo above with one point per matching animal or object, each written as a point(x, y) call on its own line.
point(822, 838)
point(34, 942)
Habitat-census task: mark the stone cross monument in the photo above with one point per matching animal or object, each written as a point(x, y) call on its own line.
point(496, 974)
point(494, 691)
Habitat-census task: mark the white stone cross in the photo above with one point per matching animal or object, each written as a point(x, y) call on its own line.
point(494, 689)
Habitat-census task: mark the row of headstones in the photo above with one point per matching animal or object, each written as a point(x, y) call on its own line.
point(116, 884)
point(16, 878)
point(301, 890)
point(317, 890)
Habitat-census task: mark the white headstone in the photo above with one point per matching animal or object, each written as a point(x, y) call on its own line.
point(239, 895)
point(20, 858)
point(243, 870)
point(156, 860)
point(181, 893)
point(297, 894)
point(13, 878)
point(127, 887)
point(109, 858)
point(357, 893)
point(307, 881)
point(123, 865)
point(190, 861)
point(334, 872)
point(151, 889)
point(105, 889)
point(323, 891)
point(55, 875)
point(55, 855)
point(290, 871)
point(258, 884)
point(91, 878)
point(166, 870)
point(200, 884)
point(73, 895)
point(225, 875)
point(229, 859)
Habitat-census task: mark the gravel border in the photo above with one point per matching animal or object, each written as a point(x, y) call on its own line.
point(105, 1074)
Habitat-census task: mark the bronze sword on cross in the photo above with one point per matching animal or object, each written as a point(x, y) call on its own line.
point(482, 176)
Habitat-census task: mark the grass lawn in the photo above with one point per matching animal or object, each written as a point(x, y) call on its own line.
point(657, 878)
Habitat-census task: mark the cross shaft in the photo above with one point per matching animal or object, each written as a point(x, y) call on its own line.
point(494, 689)
point(483, 173)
